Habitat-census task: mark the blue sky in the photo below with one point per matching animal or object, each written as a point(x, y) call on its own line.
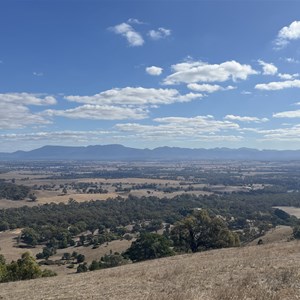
point(150, 73)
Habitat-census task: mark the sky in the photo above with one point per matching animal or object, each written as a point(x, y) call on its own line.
point(145, 74)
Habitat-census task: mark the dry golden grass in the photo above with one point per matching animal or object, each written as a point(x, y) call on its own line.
point(53, 197)
point(263, 272)
point(280, 233)
point(8, 246)
point(293, 211)
point(89, 253)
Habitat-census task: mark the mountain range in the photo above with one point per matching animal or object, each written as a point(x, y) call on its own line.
point(117, 152)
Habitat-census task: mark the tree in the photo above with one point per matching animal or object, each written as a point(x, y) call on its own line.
point(201, 232)
point(82, 268)
point(28, 268)
point(32, 197)
point(112, 260)
point(80, 258)
point(296, 232)
point(149, 246)
point(30, 236)
point(94, 265)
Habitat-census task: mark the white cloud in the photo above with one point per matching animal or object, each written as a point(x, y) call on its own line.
point(135, 21)
point(181, 128)
point(288, 114)
point(133, 37)
point(208, 88)
point(278, 85)
point(268, 68)
point(289, 134)
point(38, 74)
point(245, 119)
point(27, 99)
point(246, 93)
point(154, 71)
point(287, 34)
point(193, 72)
point(72, 138)
point(160, 33)
point(288, 76)
point(291, 60)
point(135, 96)
point(99, 112)
point(14, 113)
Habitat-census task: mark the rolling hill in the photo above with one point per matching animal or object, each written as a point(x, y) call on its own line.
point(265, 272)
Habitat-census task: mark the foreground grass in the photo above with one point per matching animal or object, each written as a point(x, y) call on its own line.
point(264, 272)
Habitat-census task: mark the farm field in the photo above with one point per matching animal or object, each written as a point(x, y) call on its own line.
point(60, 182)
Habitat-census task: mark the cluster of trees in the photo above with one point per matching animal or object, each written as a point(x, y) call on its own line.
point(197, 232)
point(24, 268)
point(13, 191)
point(120, 212)
point(106, 261)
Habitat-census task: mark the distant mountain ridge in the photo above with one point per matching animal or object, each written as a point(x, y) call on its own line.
point(117, 152)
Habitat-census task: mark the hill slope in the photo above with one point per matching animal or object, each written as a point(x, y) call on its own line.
point(263, 272)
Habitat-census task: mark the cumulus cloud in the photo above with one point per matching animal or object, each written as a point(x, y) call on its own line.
point(121, 104)
point(245, 119)
point(135, 21)
point(291, 60)
point(160, 33)
point(181, 128)
point(135, 96)
point(133, 37)
point(99, 112)
point(14, 111)
point(194, 72)
point(208, 88)
point(27, 99)
point(288, 34)
point(289, 134)
point(268, 68)
point(288, 76)
point(278, 85)
point(154, 71)
point(288, 114)
point(55, 135)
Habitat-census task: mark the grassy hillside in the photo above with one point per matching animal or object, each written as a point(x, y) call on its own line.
point(270, 271)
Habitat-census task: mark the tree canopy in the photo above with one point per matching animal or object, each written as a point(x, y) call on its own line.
point(199, 232)
point(149, 246)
